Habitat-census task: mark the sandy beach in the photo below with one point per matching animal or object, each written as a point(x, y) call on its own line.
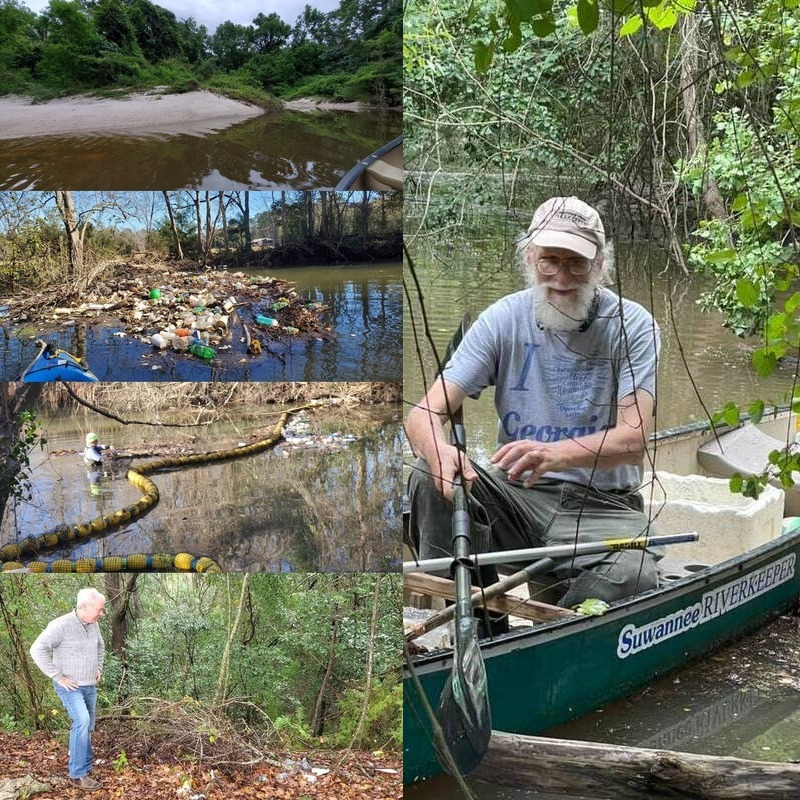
point(193, 112)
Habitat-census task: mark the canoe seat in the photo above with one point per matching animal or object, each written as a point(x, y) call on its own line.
point(386, 174)
point(746, 451)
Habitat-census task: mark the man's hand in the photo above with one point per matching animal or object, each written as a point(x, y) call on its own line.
point(450, 462)
point(97, 675)
point(526, 458)
point(68, 684)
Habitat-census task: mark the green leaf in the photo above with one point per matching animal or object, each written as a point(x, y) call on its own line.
point(513, 41)
point(739, 202)
point(792, 303)
point(631, 26)
point(764, 363)
point(730, 413)
point(623, 7)
point(747, 293)
point(484, 53)
point(544, 26)
point(735, 483)
point(756, 411)
point(663, 16)
point(588, 16)
point(526, 9)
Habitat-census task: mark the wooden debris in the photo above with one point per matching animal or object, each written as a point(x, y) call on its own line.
point(630, 773)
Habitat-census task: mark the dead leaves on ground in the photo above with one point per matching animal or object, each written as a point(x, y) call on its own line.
point(45, 759)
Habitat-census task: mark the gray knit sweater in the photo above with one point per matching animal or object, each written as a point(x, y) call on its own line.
point(68, 647)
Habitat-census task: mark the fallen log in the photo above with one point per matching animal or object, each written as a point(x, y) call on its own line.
point(631, 773)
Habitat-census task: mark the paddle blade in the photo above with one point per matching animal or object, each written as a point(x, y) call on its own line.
point(464, 705)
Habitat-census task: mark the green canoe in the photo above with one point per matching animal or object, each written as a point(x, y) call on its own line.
point(555, 671)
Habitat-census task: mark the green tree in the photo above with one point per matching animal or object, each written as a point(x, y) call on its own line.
point(230, 43)
point(270, 33)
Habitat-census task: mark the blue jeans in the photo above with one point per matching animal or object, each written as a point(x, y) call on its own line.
point(80, 705)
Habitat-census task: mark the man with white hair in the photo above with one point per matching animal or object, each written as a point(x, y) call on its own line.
point(574, 371)
point(70, 651)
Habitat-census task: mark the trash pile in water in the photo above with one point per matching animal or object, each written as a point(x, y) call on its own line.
point(297, 435)
point(193, 312)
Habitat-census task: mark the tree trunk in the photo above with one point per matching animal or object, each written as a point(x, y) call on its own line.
point(175, 236)
point(199, 223)
point(317, 721)
point(248, 236)
point(66, 208)
point(225, 664)
point(119, 590)
point(695, 130)
point(20, 651)
point(225, 240)
point(359, 731)
point(283, 219)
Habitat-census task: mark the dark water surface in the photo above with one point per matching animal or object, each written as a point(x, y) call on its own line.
point(289, 150)
point(282, 510)
point(365, 318)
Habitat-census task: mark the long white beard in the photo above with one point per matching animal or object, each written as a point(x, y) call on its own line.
point(561, 313)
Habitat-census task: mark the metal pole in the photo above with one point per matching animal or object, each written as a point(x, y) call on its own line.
point(550, 551)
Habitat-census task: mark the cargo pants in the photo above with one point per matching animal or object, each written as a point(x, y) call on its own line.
point(507, 516)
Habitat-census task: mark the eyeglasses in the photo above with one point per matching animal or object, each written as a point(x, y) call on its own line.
point(577, 265)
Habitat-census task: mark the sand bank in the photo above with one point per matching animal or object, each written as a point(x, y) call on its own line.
point(194, 112)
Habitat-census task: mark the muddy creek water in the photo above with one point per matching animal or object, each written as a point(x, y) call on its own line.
point(365, 318)
point(289, 150)
point(327, 508)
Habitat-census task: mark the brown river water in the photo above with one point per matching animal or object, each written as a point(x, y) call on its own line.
point(291, 150)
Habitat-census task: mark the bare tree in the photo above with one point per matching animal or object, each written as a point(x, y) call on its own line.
point(175, 236)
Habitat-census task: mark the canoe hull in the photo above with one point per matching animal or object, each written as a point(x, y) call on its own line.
point(59, 367)
point(561, 670)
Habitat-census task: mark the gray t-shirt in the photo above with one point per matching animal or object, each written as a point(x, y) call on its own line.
point(553, 385)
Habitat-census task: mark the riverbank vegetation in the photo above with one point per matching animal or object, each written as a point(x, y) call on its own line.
point(680, 122)
point(67, 240)
point(352, 53)
point(287, 685)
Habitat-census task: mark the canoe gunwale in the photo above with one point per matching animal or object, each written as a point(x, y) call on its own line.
point(523, 639)
point(355, 172)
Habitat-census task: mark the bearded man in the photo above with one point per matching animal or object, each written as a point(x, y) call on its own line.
point(574, 371)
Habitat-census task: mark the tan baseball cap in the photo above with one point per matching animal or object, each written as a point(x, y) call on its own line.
point(569, 223)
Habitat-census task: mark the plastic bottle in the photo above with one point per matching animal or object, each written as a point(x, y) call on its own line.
point(157, 340)
point(201, 350)
point(278, 305)
point(268, 321)
point(291, 329)
point(180, 343)
point(155, 294)
point(182, 332)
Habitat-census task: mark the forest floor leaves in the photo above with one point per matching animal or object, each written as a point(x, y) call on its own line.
point(125, 773)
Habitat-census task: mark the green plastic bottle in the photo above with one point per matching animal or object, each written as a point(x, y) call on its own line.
point(201, 350)
point(155, 294)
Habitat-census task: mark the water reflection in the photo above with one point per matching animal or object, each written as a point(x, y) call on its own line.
point(365, 318)
point(291, 150)
point(310, 510)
